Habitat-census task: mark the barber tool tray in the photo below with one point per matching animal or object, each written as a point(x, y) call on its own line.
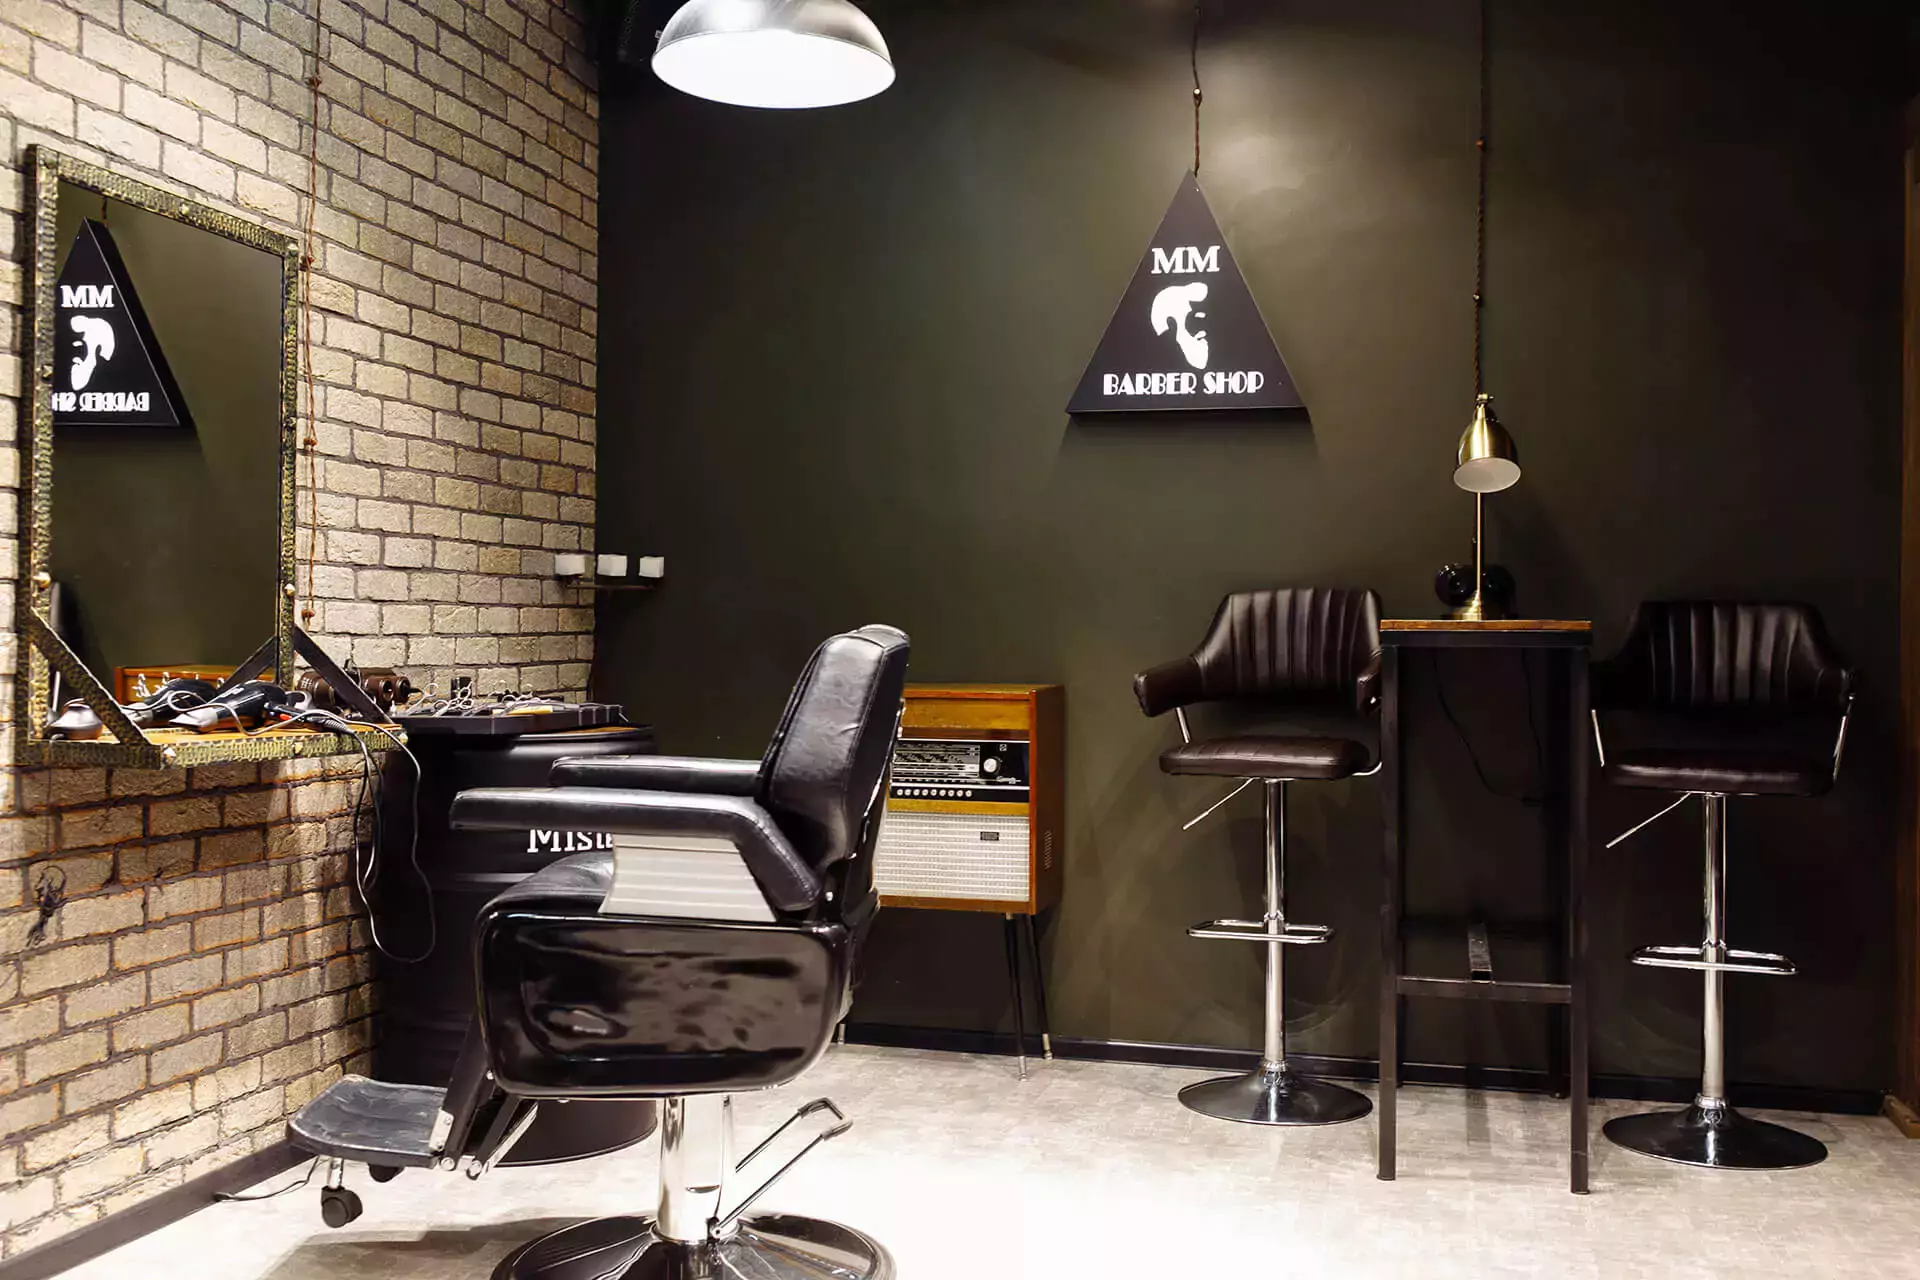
point(512, 717)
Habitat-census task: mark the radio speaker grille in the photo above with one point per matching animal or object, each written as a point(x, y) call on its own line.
point(952, 855)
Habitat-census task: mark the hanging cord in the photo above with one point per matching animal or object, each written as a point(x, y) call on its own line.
point(1193, 63)
point(1480, 207)
point(248, 1197)
point(1532, 799)
point(310, 441)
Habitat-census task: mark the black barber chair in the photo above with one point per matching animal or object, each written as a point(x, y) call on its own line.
point(710, 951)
point(1725, 699)
point(1297, 650)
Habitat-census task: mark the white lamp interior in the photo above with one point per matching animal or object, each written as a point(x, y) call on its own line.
point(1486, 475)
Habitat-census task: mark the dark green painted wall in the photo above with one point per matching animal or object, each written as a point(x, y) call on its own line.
point(836, 347)
point(167, 540)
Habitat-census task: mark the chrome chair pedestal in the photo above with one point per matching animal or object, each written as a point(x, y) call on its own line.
point(766, 1246)
point(1715, 1138)
point(694, 1236)
point(1710, 1134)
point(1274, 1094)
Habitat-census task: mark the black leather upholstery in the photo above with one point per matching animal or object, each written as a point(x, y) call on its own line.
point(659, 773)
point(1726, 697)
point(1730, 770)
point(1311, 648)
point(782, 874)
point(825, 772)
point(1305, 645)
point(578, 1005)
point(1701, 655)
point(1269, 757)
point(574, 1003)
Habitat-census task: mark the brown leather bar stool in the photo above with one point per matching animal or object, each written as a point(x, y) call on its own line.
point(1311, 649)
point(1736, 699)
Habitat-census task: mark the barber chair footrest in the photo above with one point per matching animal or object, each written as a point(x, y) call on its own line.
point(372, 1122)
point(1261, 931)
point(1761, 962)
point(766, 1246)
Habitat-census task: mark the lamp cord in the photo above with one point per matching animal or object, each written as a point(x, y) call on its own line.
point(1480, 208)
point(1531, 799)
point(1193, 64)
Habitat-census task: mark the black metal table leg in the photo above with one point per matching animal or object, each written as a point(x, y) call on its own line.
point(1019, 996)
point(1039, 989)
point(1577, 728)
point(1392, 805)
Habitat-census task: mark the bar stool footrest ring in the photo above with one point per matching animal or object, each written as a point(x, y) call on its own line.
point(1766, 963)
point(1259, 931)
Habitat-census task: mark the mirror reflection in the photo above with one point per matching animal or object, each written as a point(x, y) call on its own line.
point(168, 359)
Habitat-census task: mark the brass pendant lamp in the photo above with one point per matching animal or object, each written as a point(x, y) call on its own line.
point(1486, 460)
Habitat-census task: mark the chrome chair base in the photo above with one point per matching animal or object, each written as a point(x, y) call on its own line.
point(1717, 1138)
point(767, 1246)
point(1275, 1097)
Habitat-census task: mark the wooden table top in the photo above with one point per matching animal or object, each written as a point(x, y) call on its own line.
point(1486, 624)
point(1488, 633)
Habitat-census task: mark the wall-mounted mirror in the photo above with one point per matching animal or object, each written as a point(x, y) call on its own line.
point(159, 521)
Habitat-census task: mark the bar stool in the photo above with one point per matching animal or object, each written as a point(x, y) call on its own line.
point(1731, 693)
point(1314, 649)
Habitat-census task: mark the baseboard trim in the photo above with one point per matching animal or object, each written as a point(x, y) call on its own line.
point(96, 1238)
point(1904, 1117)
point(1674, 1089)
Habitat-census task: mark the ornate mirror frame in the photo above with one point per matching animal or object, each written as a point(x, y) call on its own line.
point(42, 649)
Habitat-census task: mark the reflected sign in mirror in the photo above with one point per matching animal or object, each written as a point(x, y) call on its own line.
point(167, 360)
point(111, 370)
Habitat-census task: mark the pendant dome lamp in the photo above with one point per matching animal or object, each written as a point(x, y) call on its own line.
point(773, 53)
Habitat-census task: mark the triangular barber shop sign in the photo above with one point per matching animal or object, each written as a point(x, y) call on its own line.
point(108, 369)
point(1188, 334)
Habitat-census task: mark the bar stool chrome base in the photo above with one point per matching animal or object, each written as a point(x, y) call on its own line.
point(1715, 1138)
point(1276, 1097)
point(767, 1246)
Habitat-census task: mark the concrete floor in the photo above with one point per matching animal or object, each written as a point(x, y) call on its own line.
point(1093, 1170)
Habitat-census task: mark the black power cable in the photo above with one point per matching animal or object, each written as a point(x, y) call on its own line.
point(1533, 799)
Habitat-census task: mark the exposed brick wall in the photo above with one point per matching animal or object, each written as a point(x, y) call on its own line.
point(207, 973)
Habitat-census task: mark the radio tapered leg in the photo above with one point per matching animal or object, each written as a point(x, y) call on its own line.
point(1039, 988)
point(1019, 996)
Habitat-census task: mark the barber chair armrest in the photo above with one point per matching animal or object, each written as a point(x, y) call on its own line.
point(1171, 684)
point(784, 878)
point(703, 775)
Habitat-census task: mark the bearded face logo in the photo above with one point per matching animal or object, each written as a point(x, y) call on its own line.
point(1174, 307)
point(94, 343)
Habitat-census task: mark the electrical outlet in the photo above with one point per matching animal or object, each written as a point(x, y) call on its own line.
point(462, 686)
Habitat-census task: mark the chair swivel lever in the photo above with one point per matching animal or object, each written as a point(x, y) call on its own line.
point(1644, 823)
point(1211, 809)
point(720, 1224)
